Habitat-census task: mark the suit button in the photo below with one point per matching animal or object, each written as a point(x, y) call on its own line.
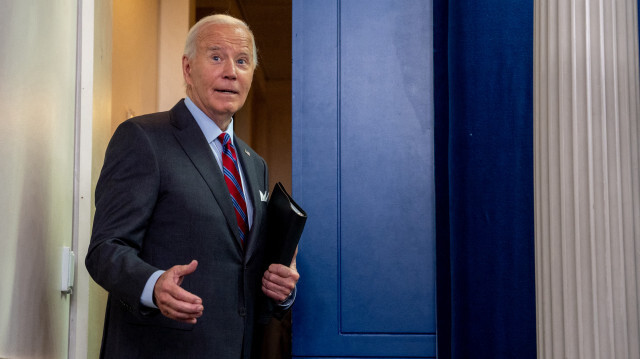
point(242, 311)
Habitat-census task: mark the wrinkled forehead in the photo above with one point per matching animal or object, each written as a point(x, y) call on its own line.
point(225, 35)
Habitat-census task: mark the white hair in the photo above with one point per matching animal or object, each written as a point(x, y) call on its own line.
point(190, 44)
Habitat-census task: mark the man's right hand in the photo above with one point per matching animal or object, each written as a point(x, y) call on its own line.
point(173, 301)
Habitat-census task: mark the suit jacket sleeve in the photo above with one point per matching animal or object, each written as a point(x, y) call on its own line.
point(126, 193)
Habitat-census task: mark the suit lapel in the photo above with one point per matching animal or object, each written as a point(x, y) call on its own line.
point(247, 160)
point(192, 140)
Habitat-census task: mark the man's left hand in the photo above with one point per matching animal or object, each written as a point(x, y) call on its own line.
point(279, 280)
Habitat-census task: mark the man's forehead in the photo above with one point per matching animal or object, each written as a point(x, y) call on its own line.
point(217, 35)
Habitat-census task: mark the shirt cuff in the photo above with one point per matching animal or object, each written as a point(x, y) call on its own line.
point(287, 303)
point(147, 293)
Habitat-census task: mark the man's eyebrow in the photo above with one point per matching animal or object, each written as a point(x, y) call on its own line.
point(218, 48)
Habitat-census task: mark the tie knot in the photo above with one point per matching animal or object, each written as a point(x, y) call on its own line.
point(224, 139)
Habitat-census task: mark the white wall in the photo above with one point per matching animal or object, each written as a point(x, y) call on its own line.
point(37, 107)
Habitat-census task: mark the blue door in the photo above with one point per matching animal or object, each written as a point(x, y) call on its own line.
point(363, 169)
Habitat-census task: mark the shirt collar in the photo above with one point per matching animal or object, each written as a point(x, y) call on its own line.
point(209, 128)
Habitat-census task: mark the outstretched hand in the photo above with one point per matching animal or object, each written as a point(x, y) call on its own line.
point(173, 301)
point(279, 280)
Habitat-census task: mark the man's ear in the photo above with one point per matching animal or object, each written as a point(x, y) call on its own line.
point(186, 69)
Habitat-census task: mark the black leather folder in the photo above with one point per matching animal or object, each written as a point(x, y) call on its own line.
point(285, 222)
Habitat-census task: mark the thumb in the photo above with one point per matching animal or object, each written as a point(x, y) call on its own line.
point(183, 270)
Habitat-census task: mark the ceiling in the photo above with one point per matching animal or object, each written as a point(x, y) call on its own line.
point(270, 21)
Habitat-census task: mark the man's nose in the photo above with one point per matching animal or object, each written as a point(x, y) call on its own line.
point(230, 70)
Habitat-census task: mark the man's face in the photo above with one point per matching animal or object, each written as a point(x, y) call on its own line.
point(220, 73)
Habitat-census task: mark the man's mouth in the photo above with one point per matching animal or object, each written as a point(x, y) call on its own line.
point(225, 91)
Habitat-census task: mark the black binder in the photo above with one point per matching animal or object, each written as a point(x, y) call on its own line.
point(285, 222)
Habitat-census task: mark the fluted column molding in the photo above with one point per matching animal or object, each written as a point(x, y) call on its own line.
point(587, 185)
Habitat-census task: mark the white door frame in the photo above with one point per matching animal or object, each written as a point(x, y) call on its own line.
point(79, 310)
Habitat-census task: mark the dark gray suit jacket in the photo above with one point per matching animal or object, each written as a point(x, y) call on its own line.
point(161, 200)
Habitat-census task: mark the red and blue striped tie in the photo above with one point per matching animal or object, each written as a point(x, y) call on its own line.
point(234, 183)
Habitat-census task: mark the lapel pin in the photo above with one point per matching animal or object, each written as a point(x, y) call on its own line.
point(247, 152)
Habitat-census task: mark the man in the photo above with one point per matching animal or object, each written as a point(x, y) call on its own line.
point(179, 231)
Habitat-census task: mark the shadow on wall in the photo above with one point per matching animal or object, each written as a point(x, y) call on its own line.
point(33, 329)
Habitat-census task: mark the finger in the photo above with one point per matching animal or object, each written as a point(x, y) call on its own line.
point(276, 291)
point(176, 301)
point(183, 270)
point(273, 281)
point(282, 275)
point(179, 316)
point(276, 287)
point(277, 296)
point(183, 308)
point(176, 308)
point(165, 286)
point(176, 311)
point(180, 294)
point(282, 271)
point(180, 271)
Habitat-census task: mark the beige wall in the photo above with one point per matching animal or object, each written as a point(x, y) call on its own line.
point(176, 18)
point(37, 110)
point(135, 59)
point(102, 83)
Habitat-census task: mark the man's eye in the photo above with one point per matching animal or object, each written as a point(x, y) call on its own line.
point(242, 61)
point(216, 58)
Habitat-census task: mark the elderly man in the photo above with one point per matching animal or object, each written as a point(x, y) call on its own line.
point(179, 231)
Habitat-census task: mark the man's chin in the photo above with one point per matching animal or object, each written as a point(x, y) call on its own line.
point(222, 113)
point(229, 109)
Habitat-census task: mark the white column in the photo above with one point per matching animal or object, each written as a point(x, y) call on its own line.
point(587, 188)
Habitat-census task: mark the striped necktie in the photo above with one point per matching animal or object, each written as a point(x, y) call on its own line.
point(234, 183)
